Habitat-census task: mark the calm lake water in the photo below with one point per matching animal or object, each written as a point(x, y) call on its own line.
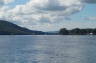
point(48, 49)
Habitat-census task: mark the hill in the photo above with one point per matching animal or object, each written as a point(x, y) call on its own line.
point(8, 28)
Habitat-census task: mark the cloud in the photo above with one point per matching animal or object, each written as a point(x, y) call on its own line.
point(52, 8)
point(44, 13)
point(89, 1)
point(8, 1)
point(3, 2)
point(91, 18)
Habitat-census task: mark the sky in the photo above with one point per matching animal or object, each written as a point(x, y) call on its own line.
point(49, 15)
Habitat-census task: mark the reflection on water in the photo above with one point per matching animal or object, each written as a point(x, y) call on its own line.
point(47, 49)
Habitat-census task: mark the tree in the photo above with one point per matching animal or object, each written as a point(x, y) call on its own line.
point(94, 32)
point(76, 31)
point(64, 31)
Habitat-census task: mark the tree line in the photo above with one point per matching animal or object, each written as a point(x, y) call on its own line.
point(78, 31)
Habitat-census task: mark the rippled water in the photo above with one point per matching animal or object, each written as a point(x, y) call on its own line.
point(48, 49)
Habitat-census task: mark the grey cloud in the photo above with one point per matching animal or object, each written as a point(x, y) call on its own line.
point(54, 8)
point(91, 18)
point(44, 20)
point(1, 3)
point(89, 1)
point(52, 5)
point(4, 2)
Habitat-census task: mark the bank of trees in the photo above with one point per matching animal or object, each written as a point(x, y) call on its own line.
point(77, 31)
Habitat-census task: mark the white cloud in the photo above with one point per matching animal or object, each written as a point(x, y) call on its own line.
point(41, 12)
point(8, 1)
point(48, 8)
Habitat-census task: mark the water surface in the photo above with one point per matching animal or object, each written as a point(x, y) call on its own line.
point(48, 49)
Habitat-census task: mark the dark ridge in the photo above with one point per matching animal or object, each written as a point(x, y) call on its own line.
point(8, 28)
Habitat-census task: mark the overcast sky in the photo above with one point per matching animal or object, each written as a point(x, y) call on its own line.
point(49, 15)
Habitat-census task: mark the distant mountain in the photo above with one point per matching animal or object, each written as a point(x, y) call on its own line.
point(52, 32)
point(8, 28)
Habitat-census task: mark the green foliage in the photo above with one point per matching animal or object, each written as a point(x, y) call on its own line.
point(7, 28)
point(64, 31)
point(77, 31)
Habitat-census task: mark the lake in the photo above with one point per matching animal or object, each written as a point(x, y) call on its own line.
point(48, 49)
